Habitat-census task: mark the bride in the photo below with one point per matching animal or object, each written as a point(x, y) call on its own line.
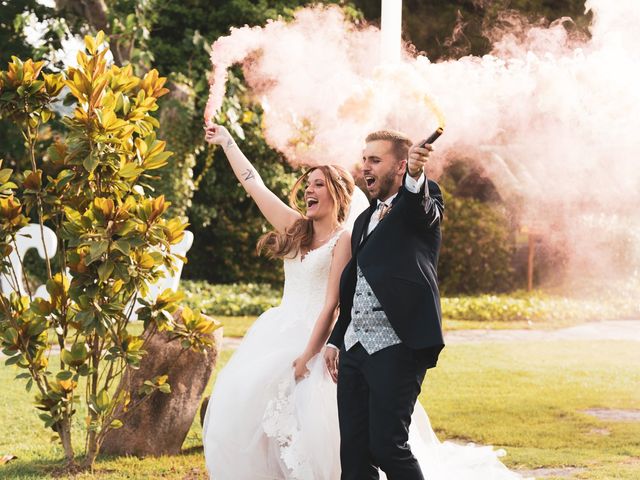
point(273, 411)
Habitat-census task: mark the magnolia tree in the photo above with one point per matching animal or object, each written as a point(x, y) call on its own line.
point(113, 239)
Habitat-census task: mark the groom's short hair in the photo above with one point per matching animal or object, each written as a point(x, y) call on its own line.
point(400, 142)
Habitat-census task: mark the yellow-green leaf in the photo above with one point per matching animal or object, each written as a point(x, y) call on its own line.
point(102, 401)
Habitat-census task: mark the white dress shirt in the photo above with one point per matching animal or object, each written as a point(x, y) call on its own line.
point(410, 184)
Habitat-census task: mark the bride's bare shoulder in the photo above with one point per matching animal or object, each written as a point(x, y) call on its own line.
point(343, 243)
point(345, 236)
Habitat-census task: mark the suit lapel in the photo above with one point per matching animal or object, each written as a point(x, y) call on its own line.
point(372, 209)
point(397, 197)
point(360, 226)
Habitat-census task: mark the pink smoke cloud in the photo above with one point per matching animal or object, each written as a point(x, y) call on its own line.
point(550, 119)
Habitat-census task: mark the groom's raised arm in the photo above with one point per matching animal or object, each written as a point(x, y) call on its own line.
point(431, 203)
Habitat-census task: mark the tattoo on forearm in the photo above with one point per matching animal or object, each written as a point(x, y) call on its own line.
point(230, 143)
point(248, 175)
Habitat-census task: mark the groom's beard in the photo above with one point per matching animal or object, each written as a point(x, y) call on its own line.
point(386, 186)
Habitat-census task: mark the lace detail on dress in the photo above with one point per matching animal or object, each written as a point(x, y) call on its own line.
point(334, 240)
point(280, 424)
point(305, 289)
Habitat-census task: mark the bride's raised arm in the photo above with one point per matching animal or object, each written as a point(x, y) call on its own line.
point(278, 214)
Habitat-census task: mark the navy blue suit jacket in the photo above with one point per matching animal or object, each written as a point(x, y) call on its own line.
point(399, 259)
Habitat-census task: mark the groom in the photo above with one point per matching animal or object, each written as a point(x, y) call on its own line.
point(388, 331)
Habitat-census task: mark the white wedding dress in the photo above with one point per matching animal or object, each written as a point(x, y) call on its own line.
point(260, 424)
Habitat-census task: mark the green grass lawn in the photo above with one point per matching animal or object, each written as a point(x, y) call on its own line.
point(22, 435)
point(525, 397)
point(528, 398)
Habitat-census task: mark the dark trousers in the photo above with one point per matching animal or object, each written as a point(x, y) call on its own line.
point(376, 396)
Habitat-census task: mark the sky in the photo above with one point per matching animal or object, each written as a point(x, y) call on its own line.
point(70, 46)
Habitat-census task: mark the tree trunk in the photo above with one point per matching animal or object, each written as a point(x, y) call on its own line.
point(94, 11)
point(64, 432)
point(92, 451)
point(160, 423)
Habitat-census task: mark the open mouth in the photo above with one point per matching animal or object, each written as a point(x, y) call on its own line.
point(370, 180)
point(311, 202)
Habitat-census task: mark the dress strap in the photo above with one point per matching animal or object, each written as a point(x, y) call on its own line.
point(333, 240)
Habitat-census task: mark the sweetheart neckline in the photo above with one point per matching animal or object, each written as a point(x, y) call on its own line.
point(305, 255)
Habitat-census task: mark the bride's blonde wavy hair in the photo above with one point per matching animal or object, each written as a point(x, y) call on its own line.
point(289, 243)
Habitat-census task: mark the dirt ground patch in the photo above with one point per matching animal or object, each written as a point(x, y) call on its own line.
point(614, 415)
point(550, 472)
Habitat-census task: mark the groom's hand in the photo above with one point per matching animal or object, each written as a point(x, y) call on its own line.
point(418, 156)
point(331, 358)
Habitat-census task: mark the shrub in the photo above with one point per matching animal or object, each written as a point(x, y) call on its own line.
point(477, 247)
point(238, 299)
point(619, 301)
point(113, 240)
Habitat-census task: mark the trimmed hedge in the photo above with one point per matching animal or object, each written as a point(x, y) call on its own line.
point(252, 299)
point(236, 299)
point(534, 307)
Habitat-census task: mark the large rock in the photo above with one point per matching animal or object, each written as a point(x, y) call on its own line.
point(160, 425)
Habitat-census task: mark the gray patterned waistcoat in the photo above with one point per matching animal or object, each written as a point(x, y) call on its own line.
point(369, 324)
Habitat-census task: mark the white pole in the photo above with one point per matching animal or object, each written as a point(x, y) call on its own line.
point(391, 27)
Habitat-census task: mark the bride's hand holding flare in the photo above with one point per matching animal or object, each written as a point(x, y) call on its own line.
point(218, 135)
point(277, 213)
